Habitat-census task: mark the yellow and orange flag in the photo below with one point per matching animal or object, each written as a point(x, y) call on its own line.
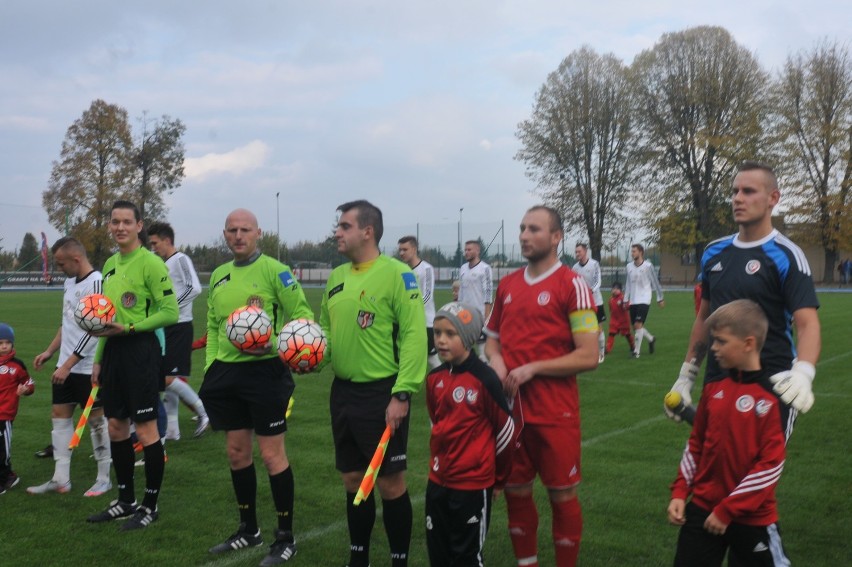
point(373, 470)
point(84, 419)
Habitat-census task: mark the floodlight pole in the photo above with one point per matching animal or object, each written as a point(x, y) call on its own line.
point(278, 218)
point(460, 230)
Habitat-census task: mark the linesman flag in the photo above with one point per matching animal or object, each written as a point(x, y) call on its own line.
point(373, 470)
point(84, 419)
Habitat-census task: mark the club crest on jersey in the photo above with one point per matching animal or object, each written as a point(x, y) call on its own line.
point(752, 267)
point(458, 394)
point(762, 407)
point(4, 369)
point(255, 301)
point(472, 395)
point(365, 319)
point(128, 299)
point(544, 298)
point(745, 403)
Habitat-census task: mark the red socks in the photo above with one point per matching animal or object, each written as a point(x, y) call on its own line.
point(567, 530)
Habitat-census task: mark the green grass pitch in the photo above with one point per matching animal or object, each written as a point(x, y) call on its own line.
point(630, 455)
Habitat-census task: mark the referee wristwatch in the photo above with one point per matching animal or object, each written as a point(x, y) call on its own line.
point(402, 396)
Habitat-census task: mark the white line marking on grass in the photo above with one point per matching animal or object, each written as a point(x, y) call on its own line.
point(622, 431)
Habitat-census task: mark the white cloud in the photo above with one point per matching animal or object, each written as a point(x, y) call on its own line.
point(236, 162)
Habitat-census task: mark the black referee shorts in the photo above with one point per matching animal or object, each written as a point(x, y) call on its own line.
point(131, 372)
point(248, 395)
point(357, 424)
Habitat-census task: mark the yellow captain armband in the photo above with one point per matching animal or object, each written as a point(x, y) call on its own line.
point(584, 321)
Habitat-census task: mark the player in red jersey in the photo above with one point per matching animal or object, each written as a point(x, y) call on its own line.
point(735, 454)
point(619, 320)
point(541, 334)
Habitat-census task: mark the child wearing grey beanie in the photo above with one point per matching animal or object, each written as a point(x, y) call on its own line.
point(465, 318)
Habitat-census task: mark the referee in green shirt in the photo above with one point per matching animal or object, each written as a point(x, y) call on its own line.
point(372, 314)
point(128, 363)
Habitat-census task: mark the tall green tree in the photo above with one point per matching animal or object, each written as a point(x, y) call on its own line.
point(580, 143)
point(29, 253)
point(158, 160)
point(93, 170)
point(813, 105)
point(701, 103)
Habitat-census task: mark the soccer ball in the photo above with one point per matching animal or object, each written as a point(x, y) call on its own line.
point(93, 312)
point(249, 328)
point(301, 344)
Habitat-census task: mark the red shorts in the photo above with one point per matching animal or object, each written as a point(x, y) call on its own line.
point(552, 451)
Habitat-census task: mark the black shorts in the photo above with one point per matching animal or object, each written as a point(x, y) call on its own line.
point(745, 545)
point(639, 313)
point(601, 314)
point(456, 524)
point(178, 359)
point(357, 424)
point(248, 395)
point(75, 390)
point(130, 377)
point(430, 341)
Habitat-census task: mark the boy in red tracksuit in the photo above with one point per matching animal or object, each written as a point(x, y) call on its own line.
point(15, 382)
point(735, 454)
point(619, 319)
point(472, 441)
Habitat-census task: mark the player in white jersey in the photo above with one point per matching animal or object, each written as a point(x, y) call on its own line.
point(178, 359)
point(425, 274)
point(641, 282)
point(590, 269)
point(72, 377)
point(476, 286)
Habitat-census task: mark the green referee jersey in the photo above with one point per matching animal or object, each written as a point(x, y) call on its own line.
point(139, 286)
point(375, 324)
point(265, 283)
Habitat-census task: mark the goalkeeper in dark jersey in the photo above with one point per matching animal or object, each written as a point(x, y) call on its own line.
point(373, 317)
point(128, 363)
point(246, 392)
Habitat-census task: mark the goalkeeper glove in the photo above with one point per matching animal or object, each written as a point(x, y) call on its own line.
point(683, 386)
point(794, 386)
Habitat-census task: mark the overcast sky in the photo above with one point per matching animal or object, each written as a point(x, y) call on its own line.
point(412, 105)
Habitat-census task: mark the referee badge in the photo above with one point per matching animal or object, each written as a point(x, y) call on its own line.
point(255, 301)
point(365, 319)
point(128, 299)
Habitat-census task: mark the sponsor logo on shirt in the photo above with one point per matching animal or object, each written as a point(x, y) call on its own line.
point(410, 280)
point(334, 290)
point(762, 407)
point(286, 278)
point(471, 396)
